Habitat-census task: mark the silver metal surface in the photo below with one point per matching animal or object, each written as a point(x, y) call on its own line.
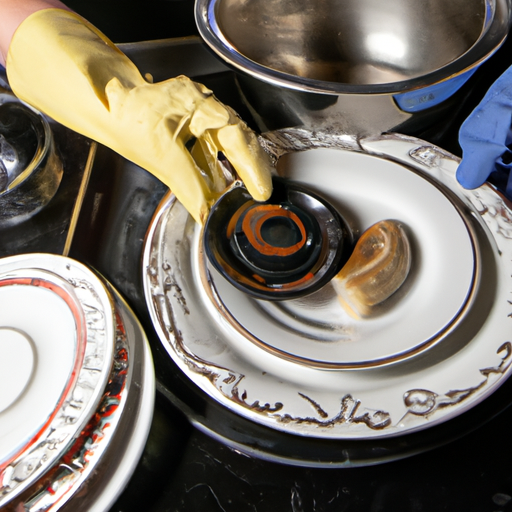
point(352, 42)
point(345, 64)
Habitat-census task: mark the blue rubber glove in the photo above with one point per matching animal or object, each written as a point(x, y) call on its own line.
point(485, 136)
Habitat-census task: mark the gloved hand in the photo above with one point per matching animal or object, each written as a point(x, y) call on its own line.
point(484, 138)
point(63, 66)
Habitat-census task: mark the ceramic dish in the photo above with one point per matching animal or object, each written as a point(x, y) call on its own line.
point(73, 349)
point(435, 350)
point(288, 247)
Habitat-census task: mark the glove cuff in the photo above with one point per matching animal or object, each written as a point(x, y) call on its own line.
point(60, 64)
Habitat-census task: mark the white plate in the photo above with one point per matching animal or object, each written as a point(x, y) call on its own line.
point(119, 456)
point(316, 330)
point(79, 328)
point(42, 322)
point(438, 348)
point(64, 315)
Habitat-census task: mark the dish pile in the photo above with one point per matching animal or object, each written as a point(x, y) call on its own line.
point(305, 366)
point(76, 386)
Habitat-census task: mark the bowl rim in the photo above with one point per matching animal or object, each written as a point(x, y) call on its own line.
point(497, 22)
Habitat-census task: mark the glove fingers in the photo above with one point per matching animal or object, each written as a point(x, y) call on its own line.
point(187, 182)
point(205, 152)
point(209, 114)
point(508, 188)
point(478, 162)
point(218, 128)
point(484, 135)
point(240, 146)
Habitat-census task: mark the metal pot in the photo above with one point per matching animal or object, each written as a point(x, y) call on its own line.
point(355, 66)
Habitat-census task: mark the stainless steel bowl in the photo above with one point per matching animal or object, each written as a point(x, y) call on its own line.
point(357, 66)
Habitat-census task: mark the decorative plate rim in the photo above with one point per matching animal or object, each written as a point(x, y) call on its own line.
point(93, 366)
point(126, 405)
point(422, 407)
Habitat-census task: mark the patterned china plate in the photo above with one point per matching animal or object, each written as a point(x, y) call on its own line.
point(75, 375)
point(432, 351)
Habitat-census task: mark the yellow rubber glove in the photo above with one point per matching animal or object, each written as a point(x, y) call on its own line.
point(63, 66)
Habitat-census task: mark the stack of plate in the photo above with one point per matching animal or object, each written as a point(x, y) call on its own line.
point(76, 386)
point(304, 367)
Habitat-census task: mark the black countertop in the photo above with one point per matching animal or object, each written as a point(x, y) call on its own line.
point(127, 21)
